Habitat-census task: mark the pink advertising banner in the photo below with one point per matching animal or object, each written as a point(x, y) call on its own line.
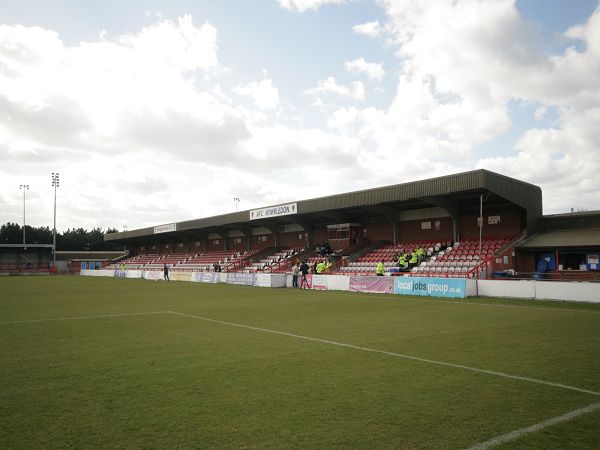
point(383, 285)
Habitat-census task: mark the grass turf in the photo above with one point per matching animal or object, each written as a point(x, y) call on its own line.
point(162, 380)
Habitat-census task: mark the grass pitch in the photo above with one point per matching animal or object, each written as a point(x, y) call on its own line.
point(118, 363)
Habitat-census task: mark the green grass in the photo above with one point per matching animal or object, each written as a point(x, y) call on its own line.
point(168, 381)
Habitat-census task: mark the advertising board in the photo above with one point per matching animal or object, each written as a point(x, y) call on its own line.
point(430, 287)
point(246, 279)
point(206, 277)
point(382, 285)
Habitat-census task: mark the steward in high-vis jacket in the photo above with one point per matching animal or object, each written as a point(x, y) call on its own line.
point(320, 267)
point(380, 268)
point(402, 263)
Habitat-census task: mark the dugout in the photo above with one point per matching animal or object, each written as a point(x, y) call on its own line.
point(445, 209)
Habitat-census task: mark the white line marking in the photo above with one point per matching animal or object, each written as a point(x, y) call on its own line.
point(398, 355)
point(540, 308)
point(102, 316)
point(499, 305)
point(533, 428)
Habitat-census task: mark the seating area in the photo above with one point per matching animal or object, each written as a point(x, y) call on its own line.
point(460, 259)
point(443, 259)
point(201, 262)
point(440, 259)
point(387, 252)
point(135, 262)
point(273, 262)
point(368, 263)
point(191, 262)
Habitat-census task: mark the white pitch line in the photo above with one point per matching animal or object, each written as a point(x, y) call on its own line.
point(533, 428)
point(102, 316)
point(398, 355)
point(537, 308)
point(493, 305)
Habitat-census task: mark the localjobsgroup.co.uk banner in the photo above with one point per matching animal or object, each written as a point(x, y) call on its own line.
point(431, 287)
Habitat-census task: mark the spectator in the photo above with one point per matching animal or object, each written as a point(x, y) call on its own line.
point(166, 272)
point(414, 260)
point(304, 271)
point(380, 268)
point(295, 272)
point(320, 267)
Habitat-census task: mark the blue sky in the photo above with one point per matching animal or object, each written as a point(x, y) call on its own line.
point(158, 111)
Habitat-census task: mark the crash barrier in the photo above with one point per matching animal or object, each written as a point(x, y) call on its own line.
point(426, 286)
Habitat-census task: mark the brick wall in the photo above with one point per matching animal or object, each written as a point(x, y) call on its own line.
point(412, 230)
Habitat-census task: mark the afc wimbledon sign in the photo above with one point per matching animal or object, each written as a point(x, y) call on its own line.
point(165, 228)
point(273, 211)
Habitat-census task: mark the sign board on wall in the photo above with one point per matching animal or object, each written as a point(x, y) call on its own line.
point(430, 287)
point(375, 284)
point(426, 225)
point(319, 282)
point(246, 279)
point(165, 228)
point(493, 220)
point(206, 277)
point(273, 211)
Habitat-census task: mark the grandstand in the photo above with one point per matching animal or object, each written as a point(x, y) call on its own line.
point(471, 224)
point(25, 258)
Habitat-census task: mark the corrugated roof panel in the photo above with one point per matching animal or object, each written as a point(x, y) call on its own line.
point(565, 238)
point(522, 194)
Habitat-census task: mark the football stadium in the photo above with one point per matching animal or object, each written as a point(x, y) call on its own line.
point(447, 313)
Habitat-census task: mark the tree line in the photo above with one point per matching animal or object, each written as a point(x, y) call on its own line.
point(76, 239)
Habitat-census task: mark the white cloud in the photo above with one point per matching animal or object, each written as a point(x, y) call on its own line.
point(372, 29)
point(109, 111)
point(355, 90)
point(373, 70)
point(263, 93)
point(301, 6)
point(540, 113)
point(459, 73)
point(143, 125)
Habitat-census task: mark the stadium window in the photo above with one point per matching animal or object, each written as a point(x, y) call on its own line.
point(338, 232)
point(571, 260)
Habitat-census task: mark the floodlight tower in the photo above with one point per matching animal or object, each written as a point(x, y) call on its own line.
point(55, 184)
point(237, 201)
point(24, 187)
